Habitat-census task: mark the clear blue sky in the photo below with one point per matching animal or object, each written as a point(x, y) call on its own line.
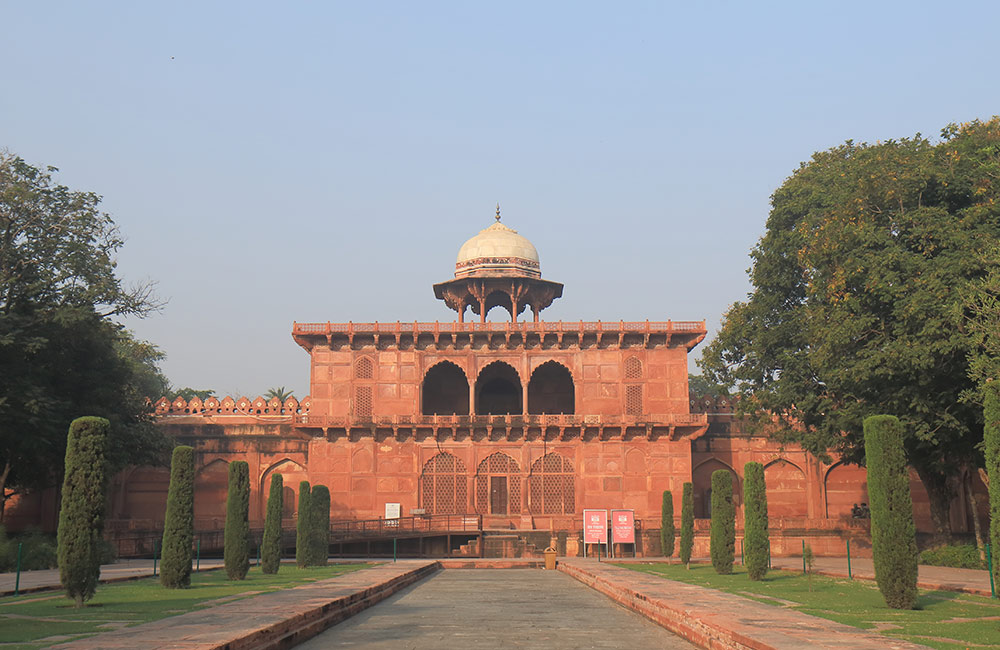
point(272, 162)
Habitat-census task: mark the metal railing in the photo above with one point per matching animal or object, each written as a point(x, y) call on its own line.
point(415, 525)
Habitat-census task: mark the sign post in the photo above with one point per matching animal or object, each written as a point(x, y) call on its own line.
point(623, 528)
point(595, 529)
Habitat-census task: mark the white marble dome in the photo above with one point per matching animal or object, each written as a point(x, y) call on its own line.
point(497, 251)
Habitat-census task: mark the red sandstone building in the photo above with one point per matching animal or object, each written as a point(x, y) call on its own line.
point(524, 422)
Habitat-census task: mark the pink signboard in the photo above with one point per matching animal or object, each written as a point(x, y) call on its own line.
point(623, 526)
point(595, 526)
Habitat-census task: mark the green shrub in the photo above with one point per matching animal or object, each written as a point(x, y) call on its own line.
point(38, 551)
point(991, 446)
point(723, 541)
point(687, 523)
point(237, 544)
point(667, 532)
point(962, 556)
point(894, 545)
point(107, 552)
point(755, 531)
point(319, 528)
point(271, 545)
point(302, 527)
point(178, 524)
point(81, 517)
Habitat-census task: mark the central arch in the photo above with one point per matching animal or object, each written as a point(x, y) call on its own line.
point(445, 390)
point(551, 390)
point(498, 390)
point(498, 485)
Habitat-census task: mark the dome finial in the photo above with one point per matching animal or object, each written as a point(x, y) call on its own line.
point(498, 212)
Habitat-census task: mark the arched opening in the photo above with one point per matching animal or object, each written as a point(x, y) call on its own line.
point(445, 391)
point(551, 486)
point(211, 485)
point(551, 389)
point(846, 487)
point(292, 473)
point(498, 390)
point(146, 493)
point(786, 490)
point(443, 486)
point(500, 299)
point(498, 485)
point(701, 478)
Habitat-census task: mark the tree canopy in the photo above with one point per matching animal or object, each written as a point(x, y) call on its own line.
point(61, 351)
point(857, 298)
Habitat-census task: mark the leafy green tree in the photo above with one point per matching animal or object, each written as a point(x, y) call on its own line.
point(280, 393)
point(894, 544)
point(271, 545)
point(991, 413)
point(178, 525)
point(188, 394)
point(61, 352)
point(667, 532)
point(237, 544)
point(856, 309)
point(699, 385)
point(81, 517)
point(723, 540)
point(687, 523)
point(302, 524)
point(319, 525)
point(756, 539)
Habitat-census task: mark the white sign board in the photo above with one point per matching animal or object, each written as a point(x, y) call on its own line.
point(392, 511)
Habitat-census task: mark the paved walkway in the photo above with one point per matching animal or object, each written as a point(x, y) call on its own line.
point(496, 608)
point(49, 578)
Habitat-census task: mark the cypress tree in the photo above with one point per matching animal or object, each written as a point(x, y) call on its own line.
point(687, 523)
point(667, 532)
point(894, 546)
point(991, 442)
point(302, 527)
point(271, 546)
point(237, 544)
point(81, 517)
point(178, 524)
point(723, 542)
point(319, 528)
point(755, 532)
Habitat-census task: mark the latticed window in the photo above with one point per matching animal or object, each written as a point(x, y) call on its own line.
point(633, 368)
point(551, 486)
point(363, 401)
point(498, 485)
point(633, 399)
point(443, 489)
point(364, 369)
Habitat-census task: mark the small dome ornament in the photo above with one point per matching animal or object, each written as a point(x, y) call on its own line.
point(497, 251)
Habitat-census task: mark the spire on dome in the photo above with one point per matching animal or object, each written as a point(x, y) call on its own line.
point(498, 212)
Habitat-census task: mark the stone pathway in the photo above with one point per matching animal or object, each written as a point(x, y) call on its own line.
point(497, 608)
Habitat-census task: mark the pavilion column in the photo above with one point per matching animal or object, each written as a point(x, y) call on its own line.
point(482, 310)
point(513, 309)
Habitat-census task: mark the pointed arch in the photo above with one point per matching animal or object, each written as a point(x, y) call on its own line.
point(211, 484)
point(701, 477)
point(846, 486)
point(292, 473)
point(498, 485)
point(498, 390)
point(444, 390)
point(364, 368)
point(551, 486)
point(551, 390)
point(786, 489)
point(443, 485)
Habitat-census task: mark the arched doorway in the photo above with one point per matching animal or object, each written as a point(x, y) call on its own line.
point(211, 485)
point(498, 390)
point(443, 489)
point(498, 485)
point(445, 390)
point(786, 490)
point(551, 486)
point(551, 389)
point(701, 478)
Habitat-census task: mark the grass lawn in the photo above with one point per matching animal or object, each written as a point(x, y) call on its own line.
point(42, 620)
point(945, 620)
